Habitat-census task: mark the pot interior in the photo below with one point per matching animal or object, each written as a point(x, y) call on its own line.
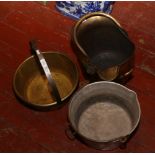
point(104, 111)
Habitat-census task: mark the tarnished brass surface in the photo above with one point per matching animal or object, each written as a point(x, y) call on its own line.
point(109, 74)
point(38, 89)
point(103, 47)
point(31, 85)
point(93, 18)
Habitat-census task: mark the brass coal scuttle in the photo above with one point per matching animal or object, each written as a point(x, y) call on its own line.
point(103, 47)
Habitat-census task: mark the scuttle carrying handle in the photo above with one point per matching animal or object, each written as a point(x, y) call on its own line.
point(52, 85)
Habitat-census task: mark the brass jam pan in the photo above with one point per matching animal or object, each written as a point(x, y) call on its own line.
point(31, 86)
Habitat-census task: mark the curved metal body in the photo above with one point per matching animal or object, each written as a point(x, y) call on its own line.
point(103, 47)
point(97, 128)
point(31, 85)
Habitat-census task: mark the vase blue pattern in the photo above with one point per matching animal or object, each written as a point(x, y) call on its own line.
point(76, 9)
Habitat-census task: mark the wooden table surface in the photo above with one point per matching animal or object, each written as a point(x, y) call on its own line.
point(25, 130)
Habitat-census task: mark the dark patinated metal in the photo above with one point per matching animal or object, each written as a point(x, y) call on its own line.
point(103, 46)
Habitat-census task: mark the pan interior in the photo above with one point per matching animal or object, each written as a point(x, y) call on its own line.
point(104, 121)
point(38, 89)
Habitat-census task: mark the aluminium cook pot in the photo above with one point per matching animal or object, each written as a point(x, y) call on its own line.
point(104, 114)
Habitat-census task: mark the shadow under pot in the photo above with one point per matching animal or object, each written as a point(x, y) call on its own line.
point(104, 114)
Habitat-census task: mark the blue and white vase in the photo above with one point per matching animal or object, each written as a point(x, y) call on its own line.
point(79, 8)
